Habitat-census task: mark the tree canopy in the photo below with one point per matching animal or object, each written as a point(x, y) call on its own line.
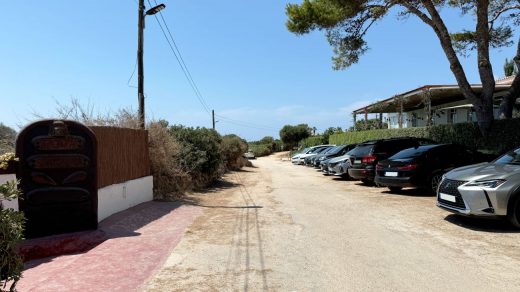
point(346, 23)
point(510, 68)
point(370, 124)
point(291, 135)
point(7, 139)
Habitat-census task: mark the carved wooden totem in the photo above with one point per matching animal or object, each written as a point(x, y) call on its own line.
point(57, 177)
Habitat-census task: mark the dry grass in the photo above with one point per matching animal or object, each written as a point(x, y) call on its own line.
point(169, 180)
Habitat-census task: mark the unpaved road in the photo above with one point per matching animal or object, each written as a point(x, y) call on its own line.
point(279, 227)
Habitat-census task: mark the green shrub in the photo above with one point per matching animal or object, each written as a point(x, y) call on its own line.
point(233, 147)
point(504, 135)
point(11, 234)
point(200, 154)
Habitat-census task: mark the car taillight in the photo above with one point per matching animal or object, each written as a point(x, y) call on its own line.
point(368, 159)
point(379, 166)
point(408, 167)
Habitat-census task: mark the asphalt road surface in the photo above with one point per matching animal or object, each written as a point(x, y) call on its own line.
point(280, 227)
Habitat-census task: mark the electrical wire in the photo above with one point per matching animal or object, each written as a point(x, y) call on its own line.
point(243, 123)
point(180, 60)
point(180, 55)
point(184, 69)
point(132, 76)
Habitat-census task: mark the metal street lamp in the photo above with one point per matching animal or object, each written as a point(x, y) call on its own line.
point(140, 72)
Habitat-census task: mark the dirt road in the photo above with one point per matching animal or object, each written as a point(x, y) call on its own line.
point(280, 227)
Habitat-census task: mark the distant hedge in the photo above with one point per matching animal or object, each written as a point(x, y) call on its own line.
point(260, 149)
point(312, 141)
point(504, 135)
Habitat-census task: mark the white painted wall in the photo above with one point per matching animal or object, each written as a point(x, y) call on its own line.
point(119, 197)
point(111, 199)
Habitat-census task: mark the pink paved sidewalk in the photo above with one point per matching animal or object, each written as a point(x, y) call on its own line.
point(139, 241)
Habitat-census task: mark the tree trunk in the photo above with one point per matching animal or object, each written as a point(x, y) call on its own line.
point(506, 106)
point(508, 102)
point(485, 116)
point(483, 103)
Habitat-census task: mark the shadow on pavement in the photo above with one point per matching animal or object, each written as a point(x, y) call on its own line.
point(122, 224)
point(493, 225)
point(219, 185)
point(412, 192)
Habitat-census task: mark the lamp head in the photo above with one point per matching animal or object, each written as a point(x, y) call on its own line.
point(155, 9)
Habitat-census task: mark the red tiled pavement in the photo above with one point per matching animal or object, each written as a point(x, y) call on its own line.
point(139, 241)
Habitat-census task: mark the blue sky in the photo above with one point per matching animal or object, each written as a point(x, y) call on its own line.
point(246, 64)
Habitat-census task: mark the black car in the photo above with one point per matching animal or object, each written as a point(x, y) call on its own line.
point(366, 155)
point(423, 166)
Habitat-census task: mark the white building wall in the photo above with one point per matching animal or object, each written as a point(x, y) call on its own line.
point(119, 197)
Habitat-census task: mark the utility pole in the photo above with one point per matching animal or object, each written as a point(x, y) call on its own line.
point(213, 116)
point(140, 70)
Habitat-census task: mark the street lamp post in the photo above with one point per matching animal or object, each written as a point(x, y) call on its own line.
point(140, 70)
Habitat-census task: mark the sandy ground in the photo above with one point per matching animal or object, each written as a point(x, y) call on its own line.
point(280, 227)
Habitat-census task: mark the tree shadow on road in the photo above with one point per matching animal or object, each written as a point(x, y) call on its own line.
point(219, 185)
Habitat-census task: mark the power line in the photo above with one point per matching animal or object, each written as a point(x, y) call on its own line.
point(182, 64)
point(244, 124)
point(180, 60)
point(180, 55)
point(132, 76)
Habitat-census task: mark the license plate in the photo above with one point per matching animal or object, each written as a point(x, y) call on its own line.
point(357, 161)
point(447, 197)
point(390, 173)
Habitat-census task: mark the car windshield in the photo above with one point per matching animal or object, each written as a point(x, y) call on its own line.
point(331, 150)
point(316, 150)
point(323, 150)
point(512, 157)
point(303, 150)
point(410, 153)
point(336, 150)
point(362, 150)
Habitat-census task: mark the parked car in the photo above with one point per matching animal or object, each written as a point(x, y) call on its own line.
point(249, 155)
point(487, 189)
point(337, 151)
point(337, 166)
point(309, 160)
point(296, 157)
point(423, 166)
point(365, 156)
point(300, 156)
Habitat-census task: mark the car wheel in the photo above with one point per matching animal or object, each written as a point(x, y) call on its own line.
point(435, 180)
point(513, 213)
point(395, 189)
point(366, 181)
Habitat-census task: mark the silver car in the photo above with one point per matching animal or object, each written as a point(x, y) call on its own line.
point(337, 166)
point(486, 189)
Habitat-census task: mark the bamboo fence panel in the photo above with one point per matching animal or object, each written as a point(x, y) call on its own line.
point(122, 155)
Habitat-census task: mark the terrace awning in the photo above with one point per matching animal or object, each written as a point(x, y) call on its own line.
point(420, 97)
